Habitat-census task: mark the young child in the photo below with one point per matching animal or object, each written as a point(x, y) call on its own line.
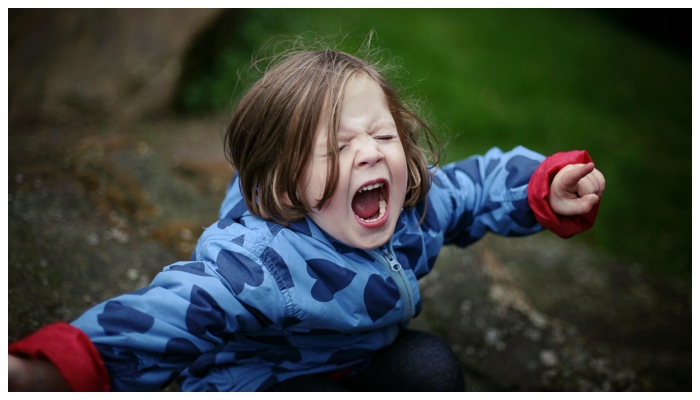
point(310, 277)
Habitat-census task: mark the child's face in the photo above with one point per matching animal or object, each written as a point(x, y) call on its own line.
point(370, 153)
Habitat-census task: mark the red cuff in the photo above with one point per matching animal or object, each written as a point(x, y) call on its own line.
point(71, 351)
point(538, 195)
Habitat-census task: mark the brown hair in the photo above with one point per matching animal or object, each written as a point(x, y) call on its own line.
point(270, 138)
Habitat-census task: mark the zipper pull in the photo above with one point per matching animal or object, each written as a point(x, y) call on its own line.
point(389, 255)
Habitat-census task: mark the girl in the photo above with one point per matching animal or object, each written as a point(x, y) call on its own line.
point(310, 276)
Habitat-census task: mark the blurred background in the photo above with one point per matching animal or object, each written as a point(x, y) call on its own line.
point(116, 119)
point(616, 83)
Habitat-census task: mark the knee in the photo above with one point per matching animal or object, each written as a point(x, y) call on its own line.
point(440, 369)
point(445, 374)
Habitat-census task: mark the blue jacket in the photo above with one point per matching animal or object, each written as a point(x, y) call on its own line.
point(260, 303)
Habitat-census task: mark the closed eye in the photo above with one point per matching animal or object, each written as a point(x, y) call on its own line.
point(385, 137)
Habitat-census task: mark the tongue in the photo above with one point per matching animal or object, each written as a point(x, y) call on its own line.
point(366, 203)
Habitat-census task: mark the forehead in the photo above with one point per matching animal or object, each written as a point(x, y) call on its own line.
point(360, 103)
point(361, 87)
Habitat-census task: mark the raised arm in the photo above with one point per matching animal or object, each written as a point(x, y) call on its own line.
point(516, 193)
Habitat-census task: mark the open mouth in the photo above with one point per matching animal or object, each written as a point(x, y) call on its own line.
point(370, 202)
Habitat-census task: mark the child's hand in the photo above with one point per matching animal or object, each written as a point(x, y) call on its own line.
point(576, 189)
point(33, 375)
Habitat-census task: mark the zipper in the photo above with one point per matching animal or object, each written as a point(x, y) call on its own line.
point(385, 256)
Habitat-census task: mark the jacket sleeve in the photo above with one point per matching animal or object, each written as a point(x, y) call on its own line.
point(486, 193)
point(501, 192)
point(146, 338)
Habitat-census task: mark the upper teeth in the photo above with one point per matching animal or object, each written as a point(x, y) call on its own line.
point(370, 187)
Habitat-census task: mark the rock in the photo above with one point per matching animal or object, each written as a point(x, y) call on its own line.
point(513, 333)
point(97, 63)
point(504, 342)
point(619, 306)
point(91, 216)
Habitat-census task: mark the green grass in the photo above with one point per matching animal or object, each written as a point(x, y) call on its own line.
point(550, 80)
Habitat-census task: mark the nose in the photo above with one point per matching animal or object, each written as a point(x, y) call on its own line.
point(368, 154)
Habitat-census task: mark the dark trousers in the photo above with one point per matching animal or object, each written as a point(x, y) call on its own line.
point(415, 362)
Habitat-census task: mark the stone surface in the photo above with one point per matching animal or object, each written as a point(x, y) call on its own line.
point(542, 313)
point(66, 64)
point(96, 213)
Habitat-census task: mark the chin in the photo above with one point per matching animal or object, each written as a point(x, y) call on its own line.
point(373, 240)
point(369, 245)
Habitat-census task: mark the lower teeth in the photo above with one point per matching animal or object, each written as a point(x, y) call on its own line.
point(382, 211)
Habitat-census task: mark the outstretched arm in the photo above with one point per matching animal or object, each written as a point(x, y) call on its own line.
point(576, 189)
